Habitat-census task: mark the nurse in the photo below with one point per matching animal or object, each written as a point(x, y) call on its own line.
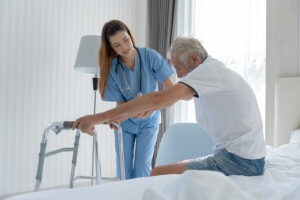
point(127, 72)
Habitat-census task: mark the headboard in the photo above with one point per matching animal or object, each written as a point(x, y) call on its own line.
point(287, 108)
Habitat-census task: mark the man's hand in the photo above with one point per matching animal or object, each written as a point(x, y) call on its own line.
point(86, 124)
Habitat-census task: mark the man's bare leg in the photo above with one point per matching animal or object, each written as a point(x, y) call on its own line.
point(177, 168)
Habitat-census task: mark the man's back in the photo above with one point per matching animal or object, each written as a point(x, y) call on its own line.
point(227, 109)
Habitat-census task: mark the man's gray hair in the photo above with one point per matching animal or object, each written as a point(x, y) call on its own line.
point(186, 45)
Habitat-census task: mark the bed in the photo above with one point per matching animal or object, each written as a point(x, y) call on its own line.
point(281, 179)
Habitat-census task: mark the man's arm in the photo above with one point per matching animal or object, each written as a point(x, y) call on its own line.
point(166, 84)
point(143, 104)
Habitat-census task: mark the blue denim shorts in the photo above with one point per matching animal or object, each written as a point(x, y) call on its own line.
point(228, 163)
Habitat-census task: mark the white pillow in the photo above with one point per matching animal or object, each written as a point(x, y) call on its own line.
point(295, 136)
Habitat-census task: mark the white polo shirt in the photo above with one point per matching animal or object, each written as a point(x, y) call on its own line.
point(227, 109)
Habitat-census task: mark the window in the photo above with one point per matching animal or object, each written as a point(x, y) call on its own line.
point(232, 31)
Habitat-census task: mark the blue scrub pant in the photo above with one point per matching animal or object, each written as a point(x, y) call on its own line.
point(138, 151)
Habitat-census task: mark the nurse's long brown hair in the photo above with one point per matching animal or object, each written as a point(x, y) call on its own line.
point(106, 53)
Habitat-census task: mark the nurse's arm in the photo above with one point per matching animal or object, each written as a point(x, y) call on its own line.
point(113, 125)
point(145, 103)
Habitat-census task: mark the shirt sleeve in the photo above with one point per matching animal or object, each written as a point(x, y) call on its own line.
point(160, 67)
point(203, 79)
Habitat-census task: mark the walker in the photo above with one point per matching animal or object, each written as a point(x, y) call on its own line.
point(57, 127)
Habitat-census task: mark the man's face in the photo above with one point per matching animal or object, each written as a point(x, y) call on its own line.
point(179, 66)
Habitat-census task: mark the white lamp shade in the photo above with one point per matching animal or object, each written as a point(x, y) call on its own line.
point(87, 56)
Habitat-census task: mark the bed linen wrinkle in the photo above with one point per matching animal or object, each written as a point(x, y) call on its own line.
point(280, 181)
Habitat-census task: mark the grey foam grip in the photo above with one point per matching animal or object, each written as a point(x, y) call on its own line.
point(68, 124)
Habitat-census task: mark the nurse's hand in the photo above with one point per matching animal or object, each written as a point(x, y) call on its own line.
point(113, 125)
point(86, 124)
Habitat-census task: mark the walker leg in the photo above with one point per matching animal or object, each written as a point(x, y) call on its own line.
point(74, 159)
point(40, 165)
point(97, 162)
point(121, 154)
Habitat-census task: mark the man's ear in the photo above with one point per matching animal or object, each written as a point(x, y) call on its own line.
point(195, 60)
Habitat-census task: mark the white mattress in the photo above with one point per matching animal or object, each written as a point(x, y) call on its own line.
point(281, 180)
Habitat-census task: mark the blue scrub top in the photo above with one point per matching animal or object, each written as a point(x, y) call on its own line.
point(125, 84)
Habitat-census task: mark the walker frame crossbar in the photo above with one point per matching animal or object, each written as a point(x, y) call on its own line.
point(57, 127)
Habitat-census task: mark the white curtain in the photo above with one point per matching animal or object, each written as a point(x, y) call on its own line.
point(232, 31)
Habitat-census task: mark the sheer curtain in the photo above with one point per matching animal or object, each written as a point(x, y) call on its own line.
point(232, 31)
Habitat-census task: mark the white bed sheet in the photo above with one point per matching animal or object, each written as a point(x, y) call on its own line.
point(281, 180)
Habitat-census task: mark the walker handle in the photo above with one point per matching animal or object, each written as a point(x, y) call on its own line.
point(68, 124)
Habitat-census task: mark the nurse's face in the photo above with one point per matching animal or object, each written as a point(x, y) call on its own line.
point(122, 44)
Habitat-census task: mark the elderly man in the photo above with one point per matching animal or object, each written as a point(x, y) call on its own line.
point(225, 107)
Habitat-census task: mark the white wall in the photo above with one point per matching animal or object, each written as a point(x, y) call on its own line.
point(38, 46)
point(282, 59)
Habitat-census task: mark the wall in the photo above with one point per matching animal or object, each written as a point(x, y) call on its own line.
point(282, 59)
point(39, 42)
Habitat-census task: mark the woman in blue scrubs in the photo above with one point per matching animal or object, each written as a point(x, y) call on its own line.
point(127, 72)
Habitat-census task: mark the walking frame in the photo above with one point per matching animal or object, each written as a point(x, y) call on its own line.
point(57, 127)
